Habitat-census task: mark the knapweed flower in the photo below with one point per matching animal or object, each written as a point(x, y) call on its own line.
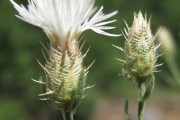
point(140, 49)
point(63, 21)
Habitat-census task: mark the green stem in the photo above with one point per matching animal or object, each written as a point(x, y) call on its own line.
point(145, 88)
point(141, 101)
point(140, 109)
point(67, 115)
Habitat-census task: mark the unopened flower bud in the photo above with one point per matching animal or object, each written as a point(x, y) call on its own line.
point(140, 49)
point(140, 58)
point(165, 37)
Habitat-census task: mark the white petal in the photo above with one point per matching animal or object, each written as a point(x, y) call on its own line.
point(105, 33)
point(63, 16)
point(104, 23)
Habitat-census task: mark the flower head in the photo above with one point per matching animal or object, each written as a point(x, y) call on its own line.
point(140, 58)
point(140, 49)
point(63, 18)
point(63, 21)
point(65, 77)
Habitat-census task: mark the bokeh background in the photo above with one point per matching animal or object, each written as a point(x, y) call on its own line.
point(20, 47)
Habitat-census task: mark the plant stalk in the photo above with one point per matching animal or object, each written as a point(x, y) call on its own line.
point(67, 115)
point(141, 105)
point(141, 101)
point(145, 88)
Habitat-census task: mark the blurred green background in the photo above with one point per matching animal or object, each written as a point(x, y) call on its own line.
point(20, 47)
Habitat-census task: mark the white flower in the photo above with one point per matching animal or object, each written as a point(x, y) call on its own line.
point(65, 17)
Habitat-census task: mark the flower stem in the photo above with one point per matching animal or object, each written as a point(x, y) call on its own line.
point(140, 109)
point(67, 115)
point(145, 88)
point(141, 101)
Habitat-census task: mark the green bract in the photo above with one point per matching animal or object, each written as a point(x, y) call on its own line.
point(64, 80)
point(140, 49)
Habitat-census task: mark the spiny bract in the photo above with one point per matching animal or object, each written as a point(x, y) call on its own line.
point(64, 77)
point(140, 49)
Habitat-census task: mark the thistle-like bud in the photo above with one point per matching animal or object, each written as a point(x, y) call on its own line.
point(168, 45)
point(140, 58)
point(140, 49)
point(169, 48)
point(64, 81)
